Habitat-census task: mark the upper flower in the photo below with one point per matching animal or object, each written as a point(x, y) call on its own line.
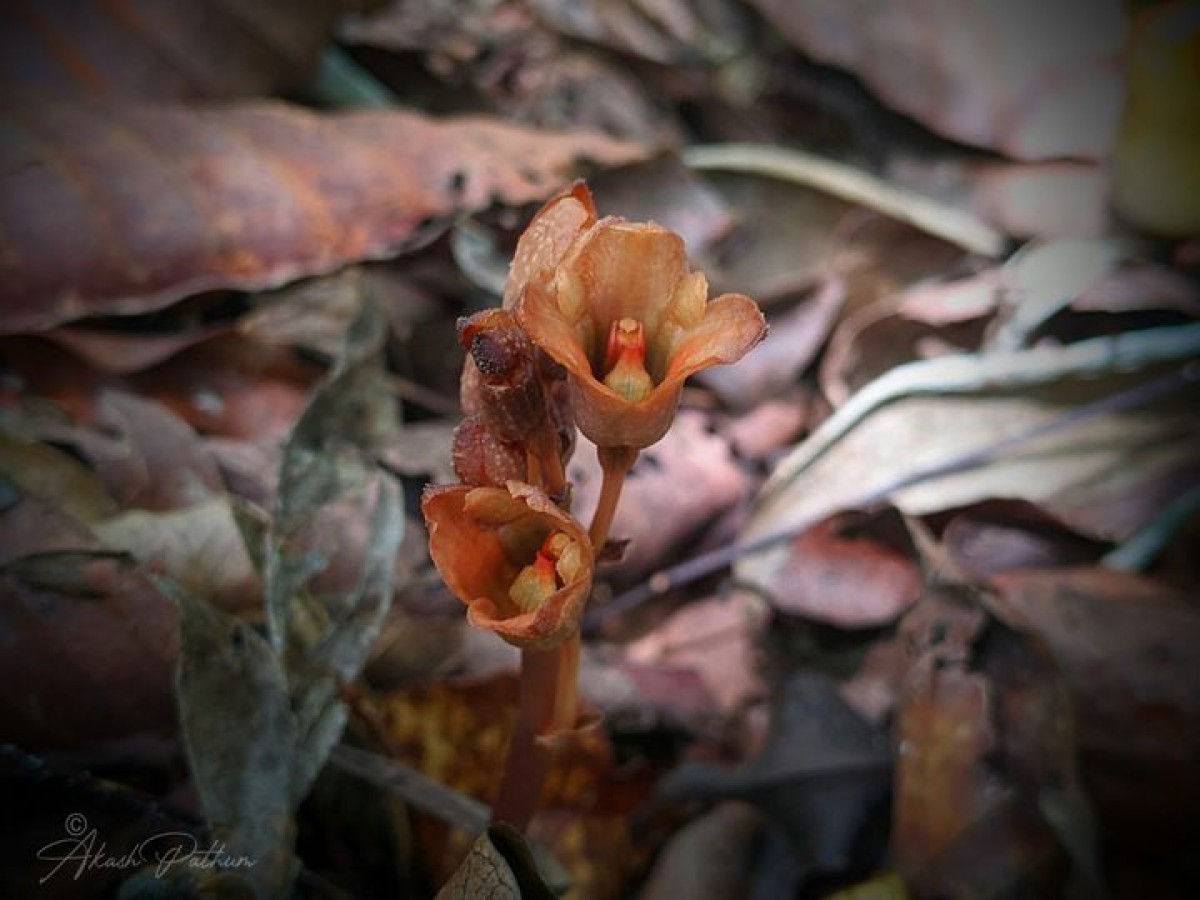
point(616, 304)
point(522, 566)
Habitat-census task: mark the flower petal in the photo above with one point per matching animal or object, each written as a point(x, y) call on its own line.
point(731, 326)
point(628, 270)
point(548, 237)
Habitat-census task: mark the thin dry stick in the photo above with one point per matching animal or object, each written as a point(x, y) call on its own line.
point(706, 564)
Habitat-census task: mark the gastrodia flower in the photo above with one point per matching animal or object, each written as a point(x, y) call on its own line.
point(522, 566)
point(617, 305)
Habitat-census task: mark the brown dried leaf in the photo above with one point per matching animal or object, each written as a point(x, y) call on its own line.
point(1000, 535)
point(852, 570)
point(663, 31)
point(89, 652)
point(200, 547)
point(500, 866)
point(1126, 646)
point(162, 49)
point(716, 638)
point(1031, 80)
point(899, 329)
point(185, 200)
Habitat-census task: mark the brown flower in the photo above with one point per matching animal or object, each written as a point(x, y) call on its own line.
point(522, 566)
point(616, 304)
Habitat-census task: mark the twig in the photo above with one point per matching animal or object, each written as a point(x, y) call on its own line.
point(707, 563)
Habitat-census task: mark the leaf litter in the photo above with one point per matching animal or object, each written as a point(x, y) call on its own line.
point(964, 672)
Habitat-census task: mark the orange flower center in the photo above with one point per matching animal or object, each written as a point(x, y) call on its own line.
point(536, 582)
point(625, 360)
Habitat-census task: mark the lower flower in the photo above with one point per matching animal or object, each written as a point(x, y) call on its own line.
point(522, 566)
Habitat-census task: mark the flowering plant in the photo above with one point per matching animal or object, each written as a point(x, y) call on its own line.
point(601, 323)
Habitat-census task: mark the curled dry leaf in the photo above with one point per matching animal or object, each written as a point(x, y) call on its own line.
point(245, 197)
point(1102, 476)
point(148, 49)
point(1023, 78)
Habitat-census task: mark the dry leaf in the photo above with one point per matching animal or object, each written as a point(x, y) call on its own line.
point(1126, 647)
point(188, 200)
point(1031, 80)
point(199, 547)
point(852, 570)
point(159, 50)
point(718, 639)
point(1094, 476)
point(90, 647)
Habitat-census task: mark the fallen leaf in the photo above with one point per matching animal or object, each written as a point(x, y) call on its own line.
point(1021, 78)
point(1000, 535)
point(157, 462)
point(194, 210)
point(199, 547)
point(162, 51)
point(895, 330)
point(912, 418)
point(710, 857)
point(1042, 200)
point(717, 638)
point(226, 385)
point(851, 570)
point(55, 478)
point(242, 739)
point(88, 650)
point(123, 353)
point(525, 71)
point(1125, 645)
point(665, 31)
point(820, 775)
point(500, 866)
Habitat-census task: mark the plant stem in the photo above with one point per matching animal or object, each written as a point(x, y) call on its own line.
point(548, 701)
point(615, 462)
